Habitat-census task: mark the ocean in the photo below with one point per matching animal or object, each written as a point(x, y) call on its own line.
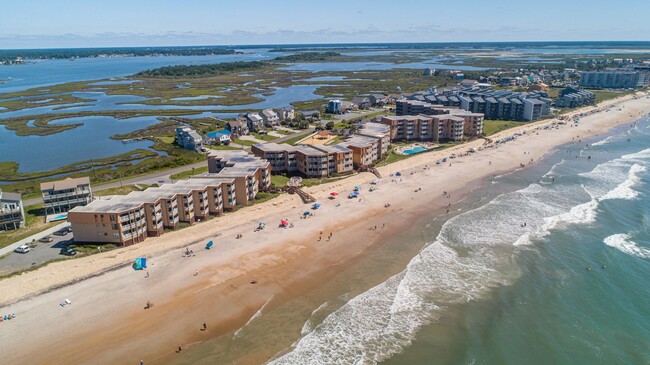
point(546, 265)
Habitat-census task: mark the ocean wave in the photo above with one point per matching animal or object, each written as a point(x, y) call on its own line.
point(624, 190)
point(643, 155)
point(623, 243)
point(255, 316)
point(603, 142)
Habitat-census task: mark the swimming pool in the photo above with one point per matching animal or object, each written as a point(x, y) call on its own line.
point(59, 217)
point(414, 150)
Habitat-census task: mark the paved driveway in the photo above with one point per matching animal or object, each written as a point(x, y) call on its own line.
point(40, 254)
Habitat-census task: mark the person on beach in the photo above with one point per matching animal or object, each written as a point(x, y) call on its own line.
point(205, 326)
point(196, 272)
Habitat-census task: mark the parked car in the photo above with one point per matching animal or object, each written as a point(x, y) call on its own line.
point(67, 251)
point(63, 231)
point(46, 239)
point(22, 249)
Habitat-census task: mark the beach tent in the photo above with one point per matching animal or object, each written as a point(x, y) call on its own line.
point(357, 188)
point(375, 182)
point(209, 245)
point(316, 205)
point(140, 263)
point(306, 213)
point(398, 173)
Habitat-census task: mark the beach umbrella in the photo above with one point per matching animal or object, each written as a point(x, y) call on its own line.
point(357, 187)
point(284, 223)
point(209, 245)
point(334, 193)
point(306, 213)
point(262, 224)
point(316, 205)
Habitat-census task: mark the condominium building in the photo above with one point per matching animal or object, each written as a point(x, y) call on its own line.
point(450, 126)
point(379, 131)
point(62, 195)
point(410, 127)
point(493, 104)
point(129, 219)
point(308, 160)
point(250, 173)
point(614, 79)
point(234, 178)
point(365, 150)
point(12, 214)
point(572, 98)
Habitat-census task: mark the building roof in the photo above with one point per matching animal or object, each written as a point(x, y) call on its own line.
point(236, 123)
point(9, 196)
point(67, 183)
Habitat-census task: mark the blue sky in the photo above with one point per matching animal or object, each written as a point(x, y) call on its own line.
point(100, 23)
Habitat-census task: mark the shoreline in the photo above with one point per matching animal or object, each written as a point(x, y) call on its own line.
point(276, 258)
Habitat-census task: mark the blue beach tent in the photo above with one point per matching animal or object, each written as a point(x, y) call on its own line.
point(140, 263)
point(209, 245)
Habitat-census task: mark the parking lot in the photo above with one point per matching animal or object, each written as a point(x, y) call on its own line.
point(40, 253)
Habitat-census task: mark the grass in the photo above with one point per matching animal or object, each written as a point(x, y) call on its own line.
point(221, 147)
point(187, 173)
point(120, 190)
point(392, 157)
point(279, 181)
point(264, 137)
point(87, 249)
point(34, 223)
point(602, 95)
point(294, 140)
point(263, 196)
point(491, 127)
point(244, 142)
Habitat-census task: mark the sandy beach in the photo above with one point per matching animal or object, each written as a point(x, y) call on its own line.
point(106, 322)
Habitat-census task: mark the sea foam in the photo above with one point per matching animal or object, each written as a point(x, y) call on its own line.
point(623, 243)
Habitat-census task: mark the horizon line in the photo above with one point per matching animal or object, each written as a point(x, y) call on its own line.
point(272, 45)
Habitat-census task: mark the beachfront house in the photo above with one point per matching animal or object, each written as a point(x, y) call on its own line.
point(12, 214)
point(270, 117)
point(62, 195)
point(335, 107)
point(238, 127)
point(362, 102)
point(286, 113)
point(188, 138)
point(254, 121)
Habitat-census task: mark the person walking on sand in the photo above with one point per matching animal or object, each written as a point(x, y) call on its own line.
point(205, 327)
point(180, 348)
point(196, 272)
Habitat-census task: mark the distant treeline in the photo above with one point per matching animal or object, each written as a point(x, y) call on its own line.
point(100, 52)
point(307, 57)
point(231, 67)
point(202, 70)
